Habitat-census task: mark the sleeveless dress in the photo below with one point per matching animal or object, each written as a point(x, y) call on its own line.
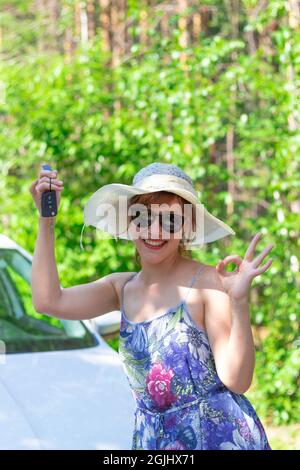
point(180, 401)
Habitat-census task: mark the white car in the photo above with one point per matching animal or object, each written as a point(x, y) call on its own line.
point(61, 385)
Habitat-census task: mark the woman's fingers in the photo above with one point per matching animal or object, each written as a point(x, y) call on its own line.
point(236, 259)
point(258, 259)
point(53, 180)
point(264, 267)
point(44, 181)
point(251, 248)
point(51, 173)
point(33, 186)
point(44, 186)
point(232, 259)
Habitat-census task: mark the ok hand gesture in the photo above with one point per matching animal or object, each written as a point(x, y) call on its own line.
point(237, 283)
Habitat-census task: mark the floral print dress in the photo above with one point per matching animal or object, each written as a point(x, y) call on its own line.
point(180, 401)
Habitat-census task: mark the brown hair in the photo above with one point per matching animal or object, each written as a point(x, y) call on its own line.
point(148, 199)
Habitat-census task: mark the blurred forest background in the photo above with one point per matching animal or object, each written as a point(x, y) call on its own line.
point(100, 88)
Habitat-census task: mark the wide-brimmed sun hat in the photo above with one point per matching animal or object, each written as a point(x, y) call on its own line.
point(107, 208)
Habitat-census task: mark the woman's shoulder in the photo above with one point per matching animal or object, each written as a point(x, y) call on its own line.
point(200, 268)
point(207, 275)
point(118, 279)
point(209, 280)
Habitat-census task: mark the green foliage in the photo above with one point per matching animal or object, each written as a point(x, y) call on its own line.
point(98, 125)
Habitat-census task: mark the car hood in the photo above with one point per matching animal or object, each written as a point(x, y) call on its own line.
point(77, 399)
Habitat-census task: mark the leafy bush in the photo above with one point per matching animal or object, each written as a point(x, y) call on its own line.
point(98, 126)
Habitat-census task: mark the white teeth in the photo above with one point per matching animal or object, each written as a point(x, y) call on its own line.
point(150, 242)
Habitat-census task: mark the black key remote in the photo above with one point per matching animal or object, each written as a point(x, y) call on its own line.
point(49, 203)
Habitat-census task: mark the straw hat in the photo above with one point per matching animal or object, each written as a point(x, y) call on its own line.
point(107, 208)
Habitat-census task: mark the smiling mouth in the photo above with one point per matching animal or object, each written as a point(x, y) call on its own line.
point(154, 244)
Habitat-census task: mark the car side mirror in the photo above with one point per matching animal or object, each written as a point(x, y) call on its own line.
point(107, 324)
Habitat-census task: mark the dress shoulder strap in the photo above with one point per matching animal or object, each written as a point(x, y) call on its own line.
point(193, 280)
point(122, 289)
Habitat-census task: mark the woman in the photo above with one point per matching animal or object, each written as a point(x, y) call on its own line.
point(185, 336)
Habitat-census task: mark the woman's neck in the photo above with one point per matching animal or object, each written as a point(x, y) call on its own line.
point(153, 273)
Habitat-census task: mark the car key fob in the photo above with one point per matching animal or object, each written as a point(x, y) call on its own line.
point(48, 203)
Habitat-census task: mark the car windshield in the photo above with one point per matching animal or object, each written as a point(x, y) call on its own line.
point(22, 329)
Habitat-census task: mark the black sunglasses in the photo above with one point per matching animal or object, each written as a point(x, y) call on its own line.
point(169, 221)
